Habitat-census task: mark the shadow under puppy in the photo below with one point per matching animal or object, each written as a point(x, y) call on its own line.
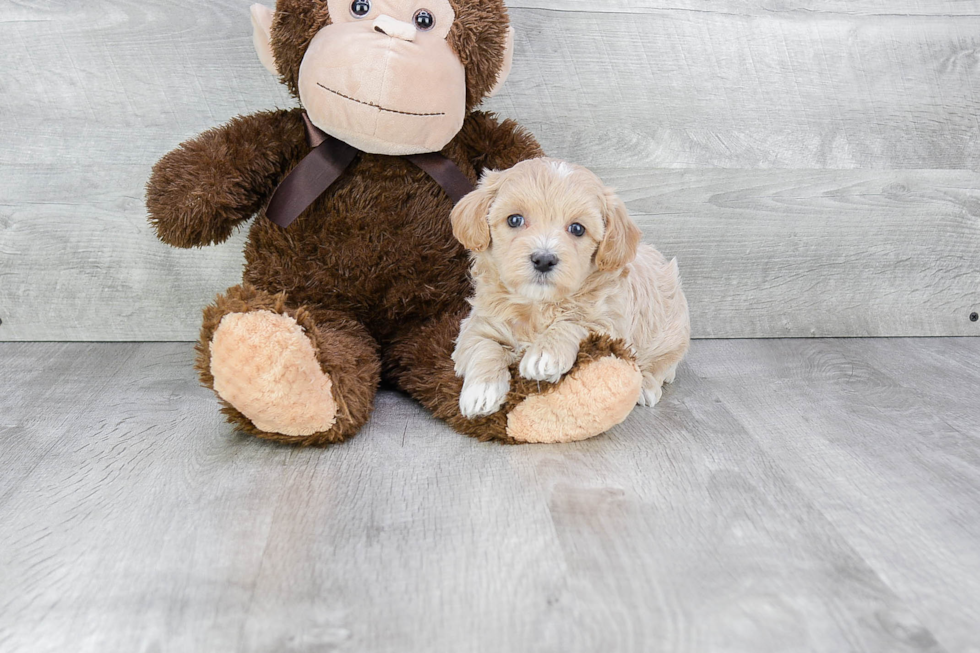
point(555, 256)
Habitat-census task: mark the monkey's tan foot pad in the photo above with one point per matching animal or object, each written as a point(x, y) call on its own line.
point(589, 402)
point(265, 367)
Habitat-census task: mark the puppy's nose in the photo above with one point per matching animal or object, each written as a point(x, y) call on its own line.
point(544, 261)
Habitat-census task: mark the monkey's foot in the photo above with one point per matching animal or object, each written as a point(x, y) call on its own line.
point(597, 394)
point(264, 365)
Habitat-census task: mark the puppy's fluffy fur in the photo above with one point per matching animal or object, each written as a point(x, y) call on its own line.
point(542, 213)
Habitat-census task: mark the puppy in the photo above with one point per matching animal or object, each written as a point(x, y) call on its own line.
point(555, 256)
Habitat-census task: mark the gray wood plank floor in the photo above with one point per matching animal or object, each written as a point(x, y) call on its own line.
point(785, 496)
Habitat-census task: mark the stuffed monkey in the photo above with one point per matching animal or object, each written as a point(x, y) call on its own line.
point(367, 285)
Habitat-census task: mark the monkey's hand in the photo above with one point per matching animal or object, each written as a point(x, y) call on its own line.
point(201, 191)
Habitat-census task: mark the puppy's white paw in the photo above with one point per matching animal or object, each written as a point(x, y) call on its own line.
point(548, 365)
point(481, 399)
point(650, 395)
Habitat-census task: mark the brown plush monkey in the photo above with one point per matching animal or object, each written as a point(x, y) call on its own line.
point(368, 284)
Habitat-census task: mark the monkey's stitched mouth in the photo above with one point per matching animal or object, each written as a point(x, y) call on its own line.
point(378, 106)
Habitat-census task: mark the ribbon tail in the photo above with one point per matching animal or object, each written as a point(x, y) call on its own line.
point(446, 173)
point(311, 178)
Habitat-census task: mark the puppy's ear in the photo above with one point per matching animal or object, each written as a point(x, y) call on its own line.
point(262, 18)
point(618, 247)
point(470, 217)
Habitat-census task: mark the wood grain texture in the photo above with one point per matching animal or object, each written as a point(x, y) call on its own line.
point(733, 88)
point(893, 447)
point(818, 253)
point(883, 93)
point(900, 8)
point(815, 496)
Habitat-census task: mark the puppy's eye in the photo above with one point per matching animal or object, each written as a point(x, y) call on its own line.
point(424, 20)
point(515, 221)
point(360, 8)
point(576, 230)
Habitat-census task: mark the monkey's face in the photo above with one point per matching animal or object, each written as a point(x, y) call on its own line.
point(387, 76)
point(383, 77)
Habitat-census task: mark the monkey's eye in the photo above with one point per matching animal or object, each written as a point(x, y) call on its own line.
point(515, 221)
point(576, 230)
point(360, 8)
point(424, 20)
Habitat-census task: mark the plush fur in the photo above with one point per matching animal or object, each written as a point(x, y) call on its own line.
point(601, 280)
point(370, 273)
point(373, 274)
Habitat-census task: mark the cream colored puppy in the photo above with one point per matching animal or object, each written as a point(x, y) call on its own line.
point(555, 257)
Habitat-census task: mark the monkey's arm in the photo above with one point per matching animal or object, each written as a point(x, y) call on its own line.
point(496, 145)
point(201, 191)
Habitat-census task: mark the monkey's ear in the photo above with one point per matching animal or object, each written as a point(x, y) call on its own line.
point(262, 36)
point(470, 224)
point(508, 62)
point(618, 247)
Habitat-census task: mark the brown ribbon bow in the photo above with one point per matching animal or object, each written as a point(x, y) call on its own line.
point(330, 158)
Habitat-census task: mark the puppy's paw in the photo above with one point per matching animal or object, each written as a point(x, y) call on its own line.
point(546, 364)
point(650, 394)
point(480, 399)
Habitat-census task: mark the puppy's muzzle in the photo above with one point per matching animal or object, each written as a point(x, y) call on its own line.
point(544, 262)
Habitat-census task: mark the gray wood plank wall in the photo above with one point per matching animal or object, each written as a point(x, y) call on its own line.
point(812, 163)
